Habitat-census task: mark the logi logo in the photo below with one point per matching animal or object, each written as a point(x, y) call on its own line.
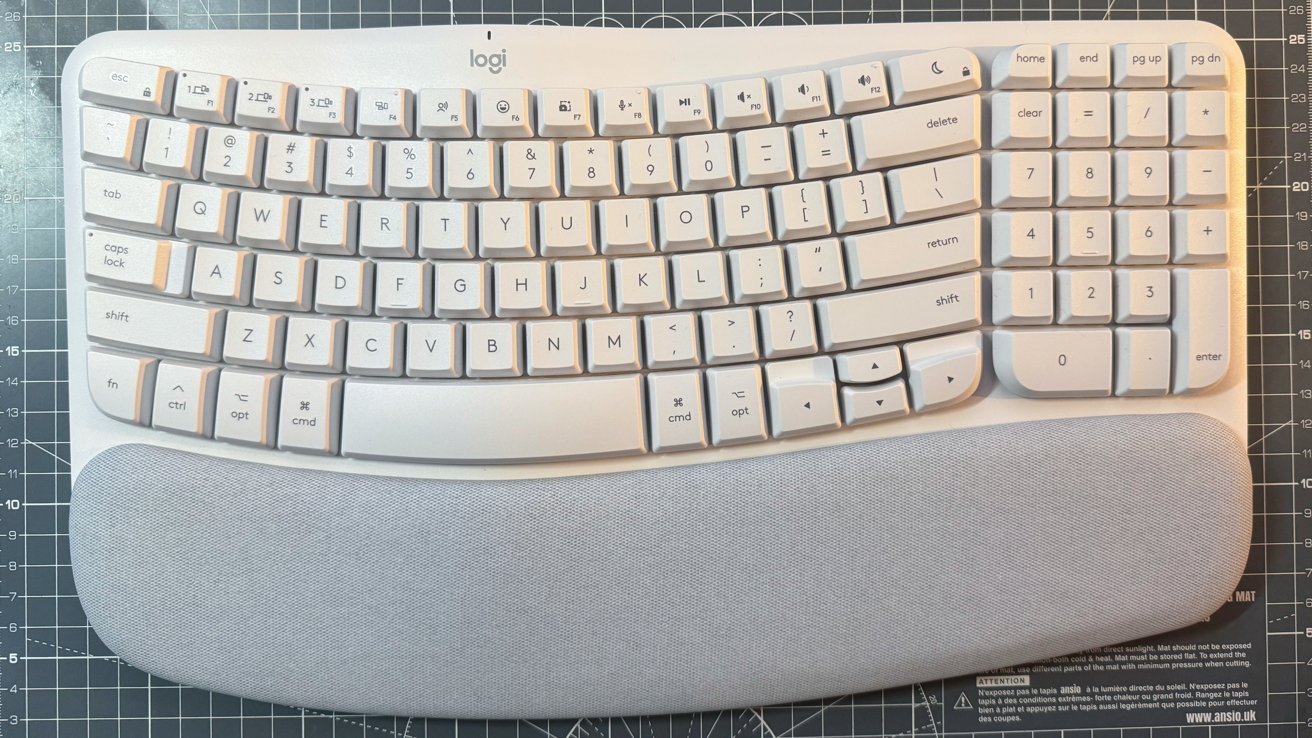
point(493, 63)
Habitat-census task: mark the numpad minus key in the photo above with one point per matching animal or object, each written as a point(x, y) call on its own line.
point(548, 372)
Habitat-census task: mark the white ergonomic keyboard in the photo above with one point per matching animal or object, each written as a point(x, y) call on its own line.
point(312, 256)
point(553, 372)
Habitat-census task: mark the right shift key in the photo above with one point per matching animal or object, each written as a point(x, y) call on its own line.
point(1201, 329)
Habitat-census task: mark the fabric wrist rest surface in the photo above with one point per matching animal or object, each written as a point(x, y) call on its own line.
point(786, 577)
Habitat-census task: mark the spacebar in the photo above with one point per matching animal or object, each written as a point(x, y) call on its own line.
point(493, 421)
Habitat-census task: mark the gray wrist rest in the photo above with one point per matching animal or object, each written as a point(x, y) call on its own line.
point(788, 577)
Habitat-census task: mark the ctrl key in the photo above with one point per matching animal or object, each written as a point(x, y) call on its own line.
point(184, 398)
point(246, 411)
point(121, 384)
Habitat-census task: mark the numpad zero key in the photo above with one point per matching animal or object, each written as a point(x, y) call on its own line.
point(547, 372)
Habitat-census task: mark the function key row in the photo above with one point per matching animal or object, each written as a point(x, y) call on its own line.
point(637, 111)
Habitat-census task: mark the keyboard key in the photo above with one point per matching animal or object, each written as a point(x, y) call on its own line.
point(868, 404)
point(282, 281)
point(1199, 118)
point(384, 112)
point(403, 288)
point(565, 113)
point(129, 201)
point(699, 280)
point(729, 335)
point(736, 407)
point(933, 190)
point(1022, 238)
point(582, 287)
point(612, 344)
point(147, 264)
point(522, 288)
point(1084, 237)
point(623, 111)
point(764, 156)
point(1083, 120)
point(222, 275)
point(742, 217)
point(112, 138)
point(683, 109)
point(705, 162)
point(877, 317)
point(254, 339)
point(1084, 179)
point(1198, 64)
point(868, 365)
point(1054, 362)
point(265, 104)
point(1084, 296)
point(1198, 236)
point(1142, 236)
point(246, 407)
point(859, 202)
point(933, 74)
point(505, 113)
point(126, 84)
point(494, 349)
point(267, 220)
point(505, 229)
point(328, 226)
point(930, 131)
point(1200, 177)
point(625, 226)
point(758, 274)
point(898, 255)
point(494, 422)
point(1142, 177)
point(354, 168)
point(1139, 65)
point(589, 169)
point(677, 414)
point(800, 96)
point(373, 347)
point(444, 113)
point(1083, 65)
point(640, 284)
point(1022, 297)
point(553, 347)
point(446, 230)
point(1143, 361)
point(803, 396)
point(684, 223)
point(122, 385)
point(1022, 120)
point(204, 96)
point(787, 329)
point(821, 149)
point(413, 169)
point(185, 396)
point(648, 166)
point(435, 348)
point(1143, 295)
point(316, 344)
point(1201, 328)
point(800, 210)
point(815, 267)
point(387, 229)
point(327, 110)
point(234, 157)
point(1021, 179)
point(173, 148)
point(464, 289)
point(294, 163)
point(1024, 67)
point(859, 87)
point(742, 103)
point(154, 326)
point(670, 340)
point(1140, 118)
point(309, 414)
point(470, 171)
point(943, 371)
point(529, 169)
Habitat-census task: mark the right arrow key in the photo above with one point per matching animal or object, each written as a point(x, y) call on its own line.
point(943, 371)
